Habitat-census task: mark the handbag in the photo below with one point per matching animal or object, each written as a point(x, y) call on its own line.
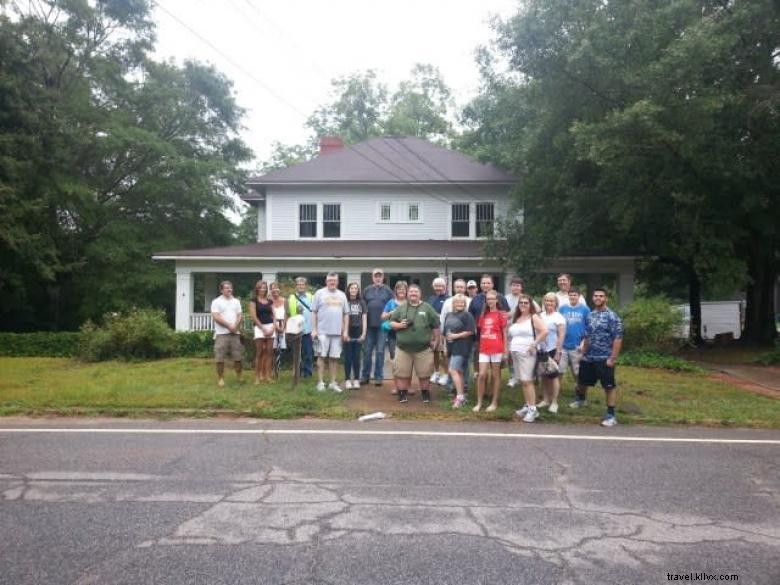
point(545, 367)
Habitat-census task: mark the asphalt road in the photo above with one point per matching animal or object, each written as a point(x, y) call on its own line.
point(215, 502)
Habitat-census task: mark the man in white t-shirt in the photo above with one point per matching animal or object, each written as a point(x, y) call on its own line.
point(330, 323)
point(564, 284)
point(226, 314)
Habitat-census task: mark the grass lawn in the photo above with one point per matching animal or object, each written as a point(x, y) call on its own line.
point(172, 387)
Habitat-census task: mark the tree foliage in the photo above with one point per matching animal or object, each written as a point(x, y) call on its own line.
point(105, 157)
point(642, 127)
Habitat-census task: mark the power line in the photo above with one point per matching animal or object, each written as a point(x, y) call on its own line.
point(230, 60)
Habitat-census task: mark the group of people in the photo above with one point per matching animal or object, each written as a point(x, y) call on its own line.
point(437, 340)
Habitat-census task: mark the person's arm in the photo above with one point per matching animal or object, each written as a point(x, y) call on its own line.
point(504, 333)
point(217, 317)
point(344, 319)
point(253, 314)
point(617, 344)
point(541, 332)
point(365, 326)
point(559, 344)
point(314, 319)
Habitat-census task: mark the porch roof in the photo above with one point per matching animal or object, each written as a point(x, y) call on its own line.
point(316, 249)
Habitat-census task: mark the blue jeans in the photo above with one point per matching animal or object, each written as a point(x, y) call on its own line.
point(375, 342)
point(352, 359)
point(307, 355)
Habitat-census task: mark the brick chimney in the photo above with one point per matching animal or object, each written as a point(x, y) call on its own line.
point(330, 144)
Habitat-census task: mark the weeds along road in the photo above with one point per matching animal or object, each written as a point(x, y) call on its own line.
point(302, 502)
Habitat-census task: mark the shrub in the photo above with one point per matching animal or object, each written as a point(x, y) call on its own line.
point(40, 344)
point(139, 334)
point(652, 359)
point(194, 344)
point(651, 324)
point(770, 358)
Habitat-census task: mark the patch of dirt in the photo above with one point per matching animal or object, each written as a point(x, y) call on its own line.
point(745, 385)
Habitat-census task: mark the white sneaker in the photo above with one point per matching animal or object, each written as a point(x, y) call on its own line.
point(335, 387)
point(542, 404)
point(523, 411)
point(444, 379)
point(578, 404)
point(512, 382)
point(531, 415)
point(348, 384)
point(434, 378)
point(355, 385)
point(553, 408)
point(609, 421)
point(320, 386)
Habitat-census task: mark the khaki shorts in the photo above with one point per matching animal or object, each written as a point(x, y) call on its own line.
point(405, 362)
point(524, 364)
point(570, 359)
point(228, 344)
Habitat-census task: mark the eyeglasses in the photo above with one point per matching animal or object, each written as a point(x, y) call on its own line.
point(524, 303)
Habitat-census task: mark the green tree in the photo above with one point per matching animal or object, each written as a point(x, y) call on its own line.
point(419, 106)
point(105, 157)
point(357, 110)
point(647, 128)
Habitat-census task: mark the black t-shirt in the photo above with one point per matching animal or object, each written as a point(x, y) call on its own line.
point(458, 322)
point(264, 312)
point(356, 311)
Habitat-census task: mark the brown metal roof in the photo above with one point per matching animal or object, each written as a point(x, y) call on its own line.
point(388, 160)
point(337, 249)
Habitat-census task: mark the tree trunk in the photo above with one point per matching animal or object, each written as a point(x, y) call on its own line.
point(760, 310)
point(694, 302)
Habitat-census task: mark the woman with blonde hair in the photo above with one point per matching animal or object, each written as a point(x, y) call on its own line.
point(458, 330)
point(526, 333)
point(556, 331)
point(262, 314)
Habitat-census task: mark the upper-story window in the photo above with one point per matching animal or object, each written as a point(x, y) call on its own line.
point(486, 218)
point(400, 212)
point(331, 220)
point(307, 220)
point(461, 220)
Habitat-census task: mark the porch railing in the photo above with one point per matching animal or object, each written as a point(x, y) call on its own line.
point(204, 322)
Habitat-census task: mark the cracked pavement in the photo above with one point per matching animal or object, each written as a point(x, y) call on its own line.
point(324, 509)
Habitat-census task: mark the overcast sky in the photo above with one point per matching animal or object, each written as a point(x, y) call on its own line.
point(282, 54)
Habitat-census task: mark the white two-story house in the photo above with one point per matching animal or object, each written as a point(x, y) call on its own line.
point(413, 208)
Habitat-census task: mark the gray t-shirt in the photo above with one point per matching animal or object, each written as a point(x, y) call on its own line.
point(330, 308)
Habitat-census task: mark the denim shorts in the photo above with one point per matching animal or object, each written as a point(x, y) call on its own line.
point(458, 362)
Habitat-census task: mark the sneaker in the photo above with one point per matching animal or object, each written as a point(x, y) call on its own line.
point(377, 382)
point(363, 381)
point(531, 415)
point(348, 384)
point(444, 379)
point(335, 387)
point(355, 385)
point(425, 395)
point(542, 404)
point(553, 408)
point(434, 378)
point(512, 383)
point(523, 411)
point(578, 404)
point(491, 408)
point(320, 386)
point(459, 401)
point(402, 396)
point(608, 421)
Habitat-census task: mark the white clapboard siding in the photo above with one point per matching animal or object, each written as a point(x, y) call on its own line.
point(360, 209)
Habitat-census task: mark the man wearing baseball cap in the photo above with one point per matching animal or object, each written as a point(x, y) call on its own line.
point(376, 296)
point(471, 288)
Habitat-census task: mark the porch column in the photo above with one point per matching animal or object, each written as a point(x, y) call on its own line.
point(508, 276)
point(625, 288)
point(209, 290)
point(185, 299)
point(269, 277)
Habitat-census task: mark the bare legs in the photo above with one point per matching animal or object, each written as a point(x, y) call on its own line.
point(495, 385)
